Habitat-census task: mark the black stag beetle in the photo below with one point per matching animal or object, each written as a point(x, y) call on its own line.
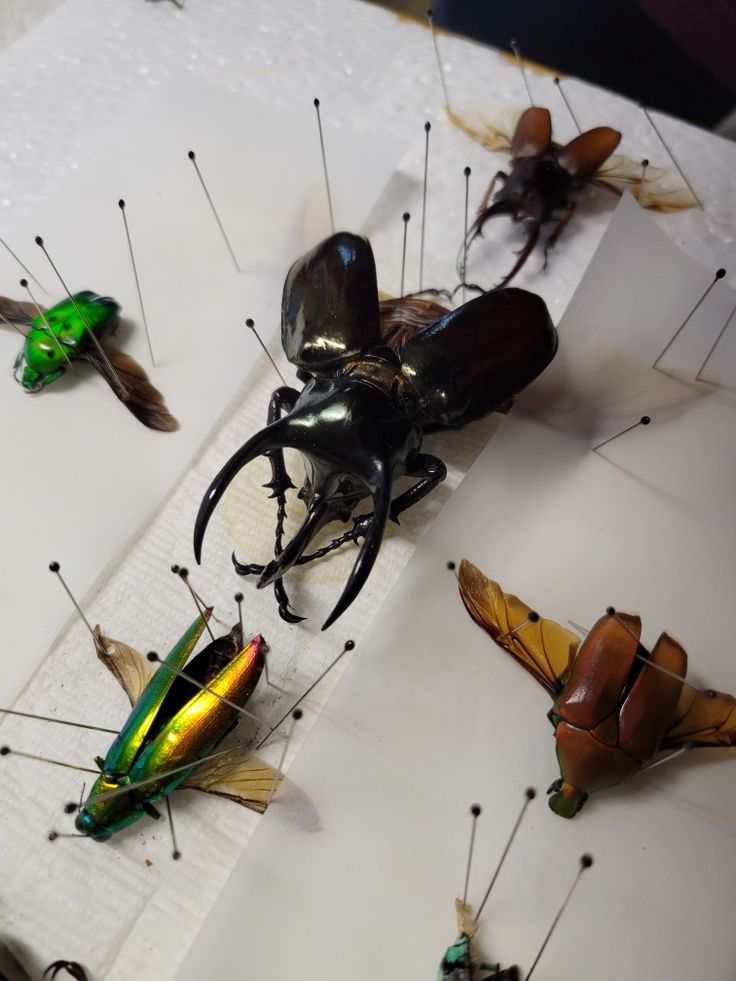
point(377, 378)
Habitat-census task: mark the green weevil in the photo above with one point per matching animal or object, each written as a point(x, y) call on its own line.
point(78, 330)
point(460, 962)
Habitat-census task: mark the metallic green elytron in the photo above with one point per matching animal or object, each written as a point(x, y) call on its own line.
point(61, 336)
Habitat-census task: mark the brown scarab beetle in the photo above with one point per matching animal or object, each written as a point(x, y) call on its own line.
point(616, 704)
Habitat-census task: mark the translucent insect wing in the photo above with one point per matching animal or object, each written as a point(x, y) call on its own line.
point(480, 355)
point(545, 648)
point(329, 309)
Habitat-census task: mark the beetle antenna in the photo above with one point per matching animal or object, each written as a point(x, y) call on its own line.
point(466, 174)
point(183, 574)
point(517, 54)
point(585, 863)
point(715, 344)
point(121, 205)
point(156, 659)
point(56, 569)
point(558, 85)
point(720, 273)
point(295, 715)
point(405, 219)
point(349, 646)
point(176, 854)
point(670, 154)
point(251, 324)
point(193, 157)
point(644, 421)
point(324, 164)
point(433, 32)
point(475, 810)
point(529, 795)
point(61, 722)
point(80, 313)
point(23, 266)
point(427, 130)
point(6, 751)
point(47, 325)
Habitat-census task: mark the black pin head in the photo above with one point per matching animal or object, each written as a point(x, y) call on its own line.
point(183, 573)
point(467, 171)
point(24, 283)
point(250, 323)
point(349, 645)
point(476, 810)
point(530, 793)
point(586, 861)
point(533, 616)
point(175, 569)
point(71, 807)
point(192, 155)
point(405, 217)
point(238, 597)
point(297, 714)
point(316, 103)
point(611, 611)
point(39, 241)
point(121, 204)
point(153, 656)
point(52, 835)
point(427, 126)
point(176, 855)
point(54, 566)
point(645, 420)
point(451, 565)
point(720, 273)
point(556, 79)
point(645, 162)
point(709, 693)
point(4, 750)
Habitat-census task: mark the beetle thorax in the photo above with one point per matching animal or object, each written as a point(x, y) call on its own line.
point(536, 187)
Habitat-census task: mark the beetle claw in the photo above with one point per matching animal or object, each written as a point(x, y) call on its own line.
point(246, 569)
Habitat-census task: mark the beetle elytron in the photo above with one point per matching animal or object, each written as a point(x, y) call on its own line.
point(377, 378)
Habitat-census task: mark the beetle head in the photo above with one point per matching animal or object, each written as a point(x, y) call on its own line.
point(353, 438)
point(102, 816)
point(565, 799)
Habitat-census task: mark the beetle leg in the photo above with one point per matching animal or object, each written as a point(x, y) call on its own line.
point(556, 232)
point(531, 241)
point(431, 471)
point(500, 175)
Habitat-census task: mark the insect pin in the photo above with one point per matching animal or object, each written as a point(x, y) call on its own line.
point(377, 377)
point(616, 704)
point(170, 737)
point(77, 330)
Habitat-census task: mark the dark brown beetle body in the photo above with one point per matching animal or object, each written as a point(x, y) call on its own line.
point(377, 378)
point(543, 180)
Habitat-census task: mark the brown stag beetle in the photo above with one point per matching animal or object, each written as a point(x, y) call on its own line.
point(544, 177)
point(377, 378)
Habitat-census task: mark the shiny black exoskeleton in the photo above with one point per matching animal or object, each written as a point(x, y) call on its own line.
point(377, 377)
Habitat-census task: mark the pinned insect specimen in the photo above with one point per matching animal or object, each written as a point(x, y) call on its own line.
point(12, 970)
point(460, 962)
point(168, 739)
point(616, 704)
point(74, 331)
point(377, 378)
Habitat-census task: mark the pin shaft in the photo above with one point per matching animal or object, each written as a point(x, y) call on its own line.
point(61, 722)
point(466, 173)
point(644, 421)
point(556, 920)
point(23, 266)
point(715, 344)
point(433, 31)
point(193, 157)
point(558, 84)
point(296, 716)
point(210, 691)
point(427, 130)
point(529, 797)
point(10, 323)
point(47, 325)
point(719, 275)
point(47, 759)
point(405, 219)
point(515, 48)
point(121, 205)
point(251, 324)
point(324, 164)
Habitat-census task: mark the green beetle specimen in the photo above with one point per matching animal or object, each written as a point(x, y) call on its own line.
point(73, 331)
point(616, 705)
point(169, 738)
point(460, 962)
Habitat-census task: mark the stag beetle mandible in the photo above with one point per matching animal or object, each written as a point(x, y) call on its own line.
point(377, 377)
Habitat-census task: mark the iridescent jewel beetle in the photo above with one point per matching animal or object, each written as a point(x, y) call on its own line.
point(460, 962)
point(169, 737)
point(62, 336)
point(377, 378)
point(616, 704)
